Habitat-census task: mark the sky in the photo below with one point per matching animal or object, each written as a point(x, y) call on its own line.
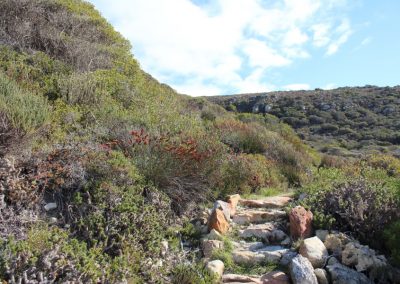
point(223, 47)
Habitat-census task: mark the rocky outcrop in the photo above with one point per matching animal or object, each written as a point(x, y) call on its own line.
point(300, 223)
point(302, 271)
point(315, 251)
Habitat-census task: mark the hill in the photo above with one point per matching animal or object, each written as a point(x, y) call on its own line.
point(345, 121)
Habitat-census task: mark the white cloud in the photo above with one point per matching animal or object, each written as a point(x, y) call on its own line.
point(201, 50)
point(329, 86)
point(293, 87)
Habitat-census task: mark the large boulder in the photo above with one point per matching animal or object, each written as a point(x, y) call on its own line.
point(216, 267)
point(233, 201)
point(209, 246)
point(300, 222)
point(315, 251)
point(302, 271)
point(362, 257)
point(341, 274)
point(218, 221)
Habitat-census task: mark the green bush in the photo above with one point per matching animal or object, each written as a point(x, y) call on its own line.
point(392, 238)
point(24, 110)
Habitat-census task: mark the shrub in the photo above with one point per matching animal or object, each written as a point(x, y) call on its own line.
point(392, 237)
point(23, 110)
point(386, 162)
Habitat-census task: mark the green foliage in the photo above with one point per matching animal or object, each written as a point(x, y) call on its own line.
point(392, 238)
point(24, 110)
point(192, 274)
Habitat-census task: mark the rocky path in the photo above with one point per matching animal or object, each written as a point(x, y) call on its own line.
point(261, 233)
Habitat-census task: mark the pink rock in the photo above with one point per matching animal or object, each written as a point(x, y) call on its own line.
point(275, 277)
point(233, 201)
point(300, 222)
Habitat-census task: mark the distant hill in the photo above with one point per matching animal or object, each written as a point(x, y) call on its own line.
point(343, 121)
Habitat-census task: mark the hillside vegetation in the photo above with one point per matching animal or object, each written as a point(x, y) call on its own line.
point(345, 121)
point(122, 157)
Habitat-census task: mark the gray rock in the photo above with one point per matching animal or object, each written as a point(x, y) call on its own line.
point(314, 249)
point(287, 258)
point(341, 274)
point(216, 267)
point(50, 206)
point(362, 257)
point(224, 206)
point(301, 271)
point(321, 234)
point(322, 276)
point(332, 260)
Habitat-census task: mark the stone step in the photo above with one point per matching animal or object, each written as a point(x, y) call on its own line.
point(258, 216)
point(269, 202)
point(277, 277)
point(255, 254)
point(269, 232)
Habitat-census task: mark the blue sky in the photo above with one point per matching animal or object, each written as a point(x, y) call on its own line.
point(220, 47)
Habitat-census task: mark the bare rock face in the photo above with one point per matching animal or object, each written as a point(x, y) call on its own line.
point(257, 216)
point(300, 222)
point(218, 221)
point(315, 251)
point(269, 202)
point(216, 267)
point(233, 201)
point(341, 274)
point(362, 257)
point(209, 246)
point(301, 271)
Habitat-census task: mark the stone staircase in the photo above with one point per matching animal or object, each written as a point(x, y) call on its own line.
point(262, 233)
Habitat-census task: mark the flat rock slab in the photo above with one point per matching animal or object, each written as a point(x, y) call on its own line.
point(270, 254)
point(268, 232)
point(269, 202)
point(243, 279)
point(258, 216)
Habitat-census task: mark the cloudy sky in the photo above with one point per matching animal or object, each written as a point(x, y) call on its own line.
point(220, 47)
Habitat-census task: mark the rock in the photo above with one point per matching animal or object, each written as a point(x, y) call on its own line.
point(341, 274)
point(362, 257)
point(301, 271)
point(286, 242)
point(335, 243)
point(300, 222)
point(53, 220)
point(233, 201)
point(269, 202)
point(209, 246)
point(315, 251)
point(252, 246)
point(50, 206)
point(332, 260)
point(287, 258)
point(256, 216)
point(272, 254)
point(216, 267)
point(225, 207)
point(321, 234)
point(322, 276)
point(268, 232)
point(214, 235)
point(235, 278)
point(275, 277)
point(218, 222)
point(164, 247)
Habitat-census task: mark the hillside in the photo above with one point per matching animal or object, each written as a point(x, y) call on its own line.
point(106, 174)
point(344, 121)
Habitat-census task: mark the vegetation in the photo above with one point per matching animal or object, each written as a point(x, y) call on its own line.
point(345, 121)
